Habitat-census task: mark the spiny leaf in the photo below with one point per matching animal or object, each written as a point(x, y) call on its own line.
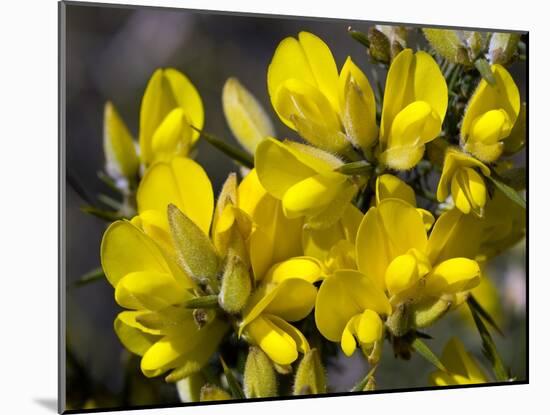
point(483, 313)
point(91, 276)
point(232, 382)
point(109, 216)
point(359, 386)
point(359, 37)
point(509, 192)
point(423, 349)
point(489, 347)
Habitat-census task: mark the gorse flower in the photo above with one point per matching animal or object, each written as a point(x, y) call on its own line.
point(463, 174)
point(305, 179)
point(326, 108)
point(462, 368)
point(415, 103)
point(490, 116)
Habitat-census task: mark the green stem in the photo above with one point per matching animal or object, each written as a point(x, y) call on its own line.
point(207, 301)
point(240, 156)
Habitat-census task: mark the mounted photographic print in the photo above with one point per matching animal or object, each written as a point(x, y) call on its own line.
point(260, 207)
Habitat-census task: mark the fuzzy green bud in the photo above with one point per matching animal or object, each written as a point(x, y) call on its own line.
point(213, 393)
point(380, 47)
point(236, 285)
point(260, 380)
point(310, 377)
point(502, 47)
point(425, 314)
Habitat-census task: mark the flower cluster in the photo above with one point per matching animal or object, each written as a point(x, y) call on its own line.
point(370, 229)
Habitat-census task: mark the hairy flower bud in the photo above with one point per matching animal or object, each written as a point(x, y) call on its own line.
point(236, 285)
point(213, 393)
point(310, 376)
point(260, 380)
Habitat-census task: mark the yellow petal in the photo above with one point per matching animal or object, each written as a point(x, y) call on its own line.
point(462, 366)
point(452, 276)
point(279, 345)
point(454, 235)
point(181, 182)
point(190, 351)
point(166, 90)
point(118, 145)
point(305, 268)
point(172, 137)
point(278, 168)
point(247, 119)
point(347, 342)
point(369, 328)
point(126, 249)
point(455, 159)
point(468, 190)
point(150, 290)
point(343, 295)
point(387, 231)
point(130, 334)
point(389, 186)
point(402, 273)
point(311, 195)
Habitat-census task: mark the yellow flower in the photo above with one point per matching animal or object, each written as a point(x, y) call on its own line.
point(397, 264)
point(285, 294)
point(490, 116)
point(415, 103)
point(305, 180)
point(151, 285)
point(462, 368)
point(461, 173)
point(327, 109)
point(170, 106)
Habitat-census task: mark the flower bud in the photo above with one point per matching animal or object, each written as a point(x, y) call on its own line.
point(213, 393)
point(502, 47)
point(260, 380)
point(310, 377)
point(380, 47)
point(247, 119)
point(397, 36)
point(399, 322)
point(121, 161)
point(236, 285)
point(424, 315)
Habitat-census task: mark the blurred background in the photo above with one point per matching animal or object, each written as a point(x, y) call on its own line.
point(111, 53)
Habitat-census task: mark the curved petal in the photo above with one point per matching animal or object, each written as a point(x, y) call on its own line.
point(278, 168)
point(387, 231)
point(126, 249)
point(311, 195)
point(181, 182)
point(401, 274)
point(131, 334)
point(149, 289)
point(118, 145)
point(453, 276)
point(389, 186)
point(468, 190)
point(305, 268)
point(343, 295)
point(172, 137)
point(279, 345)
